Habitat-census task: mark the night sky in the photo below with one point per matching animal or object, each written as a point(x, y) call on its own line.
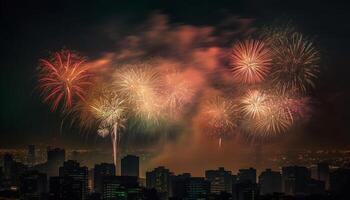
point(31, 30)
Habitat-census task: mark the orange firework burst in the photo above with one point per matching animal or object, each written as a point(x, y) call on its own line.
point(250, 61)
point(266, 113)
point(295, 63)
point(254, 104)
point(139, 85)
point(62, 78)
point(218, 117)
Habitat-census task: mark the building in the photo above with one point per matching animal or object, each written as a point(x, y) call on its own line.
point(31, 155)
point(295, 180)
point(159, 179)
point(100, 171)
point(65, 188)
point(196, 188)
point(79, 174)
point(1, 177)
point(33, 185)
point(323, 173)
point(130, 166)
point(270, 182)
point(340, 181)
point(247, 175)
point(245, 190)
point(220, 180)
point(12, 171)
point(178, 185)
point(120, 187)
point(55, 159)
point(8, 166)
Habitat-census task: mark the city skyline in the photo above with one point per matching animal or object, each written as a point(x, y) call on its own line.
point(188, 85)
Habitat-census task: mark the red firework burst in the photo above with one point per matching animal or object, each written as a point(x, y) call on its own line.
point(250, 61)
point(62, 78)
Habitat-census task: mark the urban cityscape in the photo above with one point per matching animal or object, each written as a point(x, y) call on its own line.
point(62, 178)
point(175, 100)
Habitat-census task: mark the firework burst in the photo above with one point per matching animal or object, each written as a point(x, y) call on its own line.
point(109, 111)
point(218, 117)
point(254, 104)
point(139, 85)
point(266, 113)
point(63, 78)
point(295, 63)
point(250, 61)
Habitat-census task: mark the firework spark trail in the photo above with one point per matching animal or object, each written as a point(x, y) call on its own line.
point(62, 78)
point(110, 112)
point(250, 61)
point(295, 63)
point(139, 84)
point(218, 117)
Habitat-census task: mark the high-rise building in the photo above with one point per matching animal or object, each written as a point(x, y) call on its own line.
point(1, 176)
point(295, 180)
point(178, 185)
point(56, 155)
point(323, 173)
point(130, 166)
point(246, 175)
point(13, 170)
point(120, 187)
point(159, 179)
point(196, 188)
point(100, 171)
point(31, 155)
point(65, 187)
point(270, 182)
point(8, 165)
point(220, 180)
point(55, 159)
point(79, 174)
point(33, 185)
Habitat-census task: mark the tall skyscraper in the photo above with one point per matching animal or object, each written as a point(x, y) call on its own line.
point(13, 170)
point(33, 185)
point(323, 173)
point(220, 180)
point(159, 179)
point(8, 165)
point(79, 174)
point(270, 182)
point(178, 185)
point(100, 171)
point(130, 166)
point(245, 175)
point(31, 155)
point(56, 155)
point(55, 159)
point(295, 180)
